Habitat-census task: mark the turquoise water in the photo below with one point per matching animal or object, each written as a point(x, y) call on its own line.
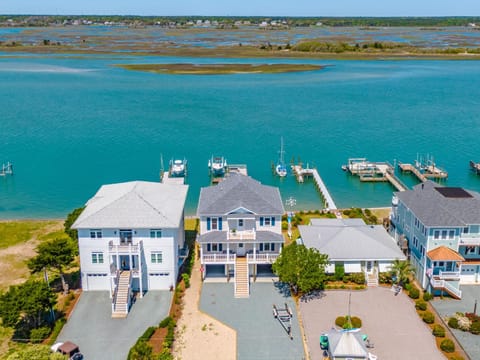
point(71, 124)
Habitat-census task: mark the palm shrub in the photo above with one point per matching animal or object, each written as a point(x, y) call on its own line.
point(356, 322)
point(340, 321)
point(428, 317)
point(438, 331)
point(402, 270)
point(447, 345)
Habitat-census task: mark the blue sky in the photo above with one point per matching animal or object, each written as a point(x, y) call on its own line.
point(246, 7)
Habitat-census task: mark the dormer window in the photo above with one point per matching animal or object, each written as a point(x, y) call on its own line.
point(95, 234)
point(155, 233)
point(240, 222)
point(214, 223)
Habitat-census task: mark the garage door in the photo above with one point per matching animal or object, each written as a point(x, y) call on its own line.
point(159, 281)
point(97, 282)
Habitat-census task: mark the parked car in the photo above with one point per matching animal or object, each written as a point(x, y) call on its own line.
point(68, 348)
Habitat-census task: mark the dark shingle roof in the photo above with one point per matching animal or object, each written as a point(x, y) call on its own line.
point(434, 205)
point(239, 191)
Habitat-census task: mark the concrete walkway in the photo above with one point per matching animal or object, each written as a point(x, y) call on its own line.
point(100, 337)
point(259, 335)
point(390, 322)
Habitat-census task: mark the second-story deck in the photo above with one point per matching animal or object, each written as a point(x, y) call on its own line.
point(124, 247)
point(241, 235)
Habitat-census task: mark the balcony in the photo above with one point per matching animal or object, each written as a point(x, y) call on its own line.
point(448, 275)
point(241, 235)
point(124, 248)
point(444, 285)
point(469, 240)
point(218, 258)
point(262, 258)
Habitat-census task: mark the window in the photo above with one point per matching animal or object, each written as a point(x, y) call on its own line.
point(469, 250)
point(436, 234)
point(465, 230)
point(154, 233)
point(214, 247)
point(267, 221)
point(95, 234)
point(97, 258)
point(126, 236)
point(240, 222)
point(444, 234)
point(451, 234)
point(156, 257)
point(214, 223)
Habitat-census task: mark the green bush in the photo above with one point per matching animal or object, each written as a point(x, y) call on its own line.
point(414, 293)
point(148, 333)
point(141, 351)
point(165, 322)
point(475, 327)
point(453, 322)
point(428, 317)
point(447, 345)
point(340, 321)
point(186, 280)
point(358, 278)
point(427, 296)
point(39, 334)
point(56, 330)
point(438, 331)
point(384, 278)
point(356, 322)
point(456, 357)
point(407, 287)
point(420, 305)
point(339, 271)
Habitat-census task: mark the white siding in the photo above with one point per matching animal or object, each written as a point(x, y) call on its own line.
point(384, 266)
point(353, 267)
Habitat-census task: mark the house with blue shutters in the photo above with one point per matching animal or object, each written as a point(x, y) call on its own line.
point(439, 228)
point(240, 231)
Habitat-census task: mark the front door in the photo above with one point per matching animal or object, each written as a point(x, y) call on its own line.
point(241, 249)
point(369, 266)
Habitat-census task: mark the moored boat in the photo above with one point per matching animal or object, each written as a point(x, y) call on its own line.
point(281, 168)
point(217, 165)
point(178, 168)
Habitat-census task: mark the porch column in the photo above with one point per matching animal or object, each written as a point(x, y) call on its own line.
point(254, 252)
point(118, 257)
point(140, 273)
point(228, 252)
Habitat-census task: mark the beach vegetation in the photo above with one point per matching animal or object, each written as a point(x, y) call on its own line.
point(71, 218)
point(301, 267)
point(57, 254)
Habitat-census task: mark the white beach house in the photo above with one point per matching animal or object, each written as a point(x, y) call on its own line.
point(358, 247)
point(240, 230)
point(130, 238)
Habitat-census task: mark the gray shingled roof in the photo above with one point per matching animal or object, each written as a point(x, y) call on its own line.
point(434, 209)
point(135, 204)
point(221, 236)
point(347, 239)
point(239, 191)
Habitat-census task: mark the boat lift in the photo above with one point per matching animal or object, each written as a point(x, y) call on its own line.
point(284, 316)
point(7, 169)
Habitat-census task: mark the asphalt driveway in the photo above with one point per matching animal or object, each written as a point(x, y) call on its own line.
point(99, 336)
point(390, 322)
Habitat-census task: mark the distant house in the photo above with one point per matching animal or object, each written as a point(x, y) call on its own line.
point(440, 229)
point(130, 236)
point(240, 230)
point(359, 247)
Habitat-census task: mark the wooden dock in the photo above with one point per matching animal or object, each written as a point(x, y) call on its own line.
point(302, 173)
point(423, 173)
point(167, 179)
point(374, 172)
point(413, 170)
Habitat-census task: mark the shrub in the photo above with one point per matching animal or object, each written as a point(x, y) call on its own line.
point(340, 321)
point(186, 280)
point(356, 322)
point(141, 350)
point(463, 322)
point(56, 330)
point(428, 317)
point(385, 278)
point(414, 293)
point(475, 327)
point(427, 296)
point(407, 287)
point(39, 334)
point(148, 333)
point(339, 271)
point(438, 331)
point(358, 278)
point(447, 345)
point(420, 305)
point(165, 322)
point(453, 322)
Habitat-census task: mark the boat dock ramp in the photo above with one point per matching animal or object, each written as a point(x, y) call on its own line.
point(424, 170)
point(231, 169)
point(173, 180)
point(302, 173)
point(369, 171)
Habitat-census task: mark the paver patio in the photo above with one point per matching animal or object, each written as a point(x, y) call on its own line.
point(100, 337)
point(390, 322)
point(448, 307)
point(259, 335)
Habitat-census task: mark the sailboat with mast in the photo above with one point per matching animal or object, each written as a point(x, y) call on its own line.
point(281, 168)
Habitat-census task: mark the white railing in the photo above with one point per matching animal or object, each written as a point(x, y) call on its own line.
point(218, 258)
point(241, 235)
point(446, 285)
point(261, 258)
point(449, 275)
point(469, 240)
point(124, 248)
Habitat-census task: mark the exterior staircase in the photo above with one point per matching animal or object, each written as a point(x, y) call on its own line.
point(242, 285)
point(372, 279)
point(120, 299)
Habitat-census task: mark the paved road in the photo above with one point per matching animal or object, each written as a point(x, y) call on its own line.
point(99, 336)
point(447, 307)
point(259, 335)
point(390, 322)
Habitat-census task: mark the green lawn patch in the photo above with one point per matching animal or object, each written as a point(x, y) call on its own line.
point(16, 232)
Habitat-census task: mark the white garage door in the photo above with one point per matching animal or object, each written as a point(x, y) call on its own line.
point(159, 281)
point(97, 282)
